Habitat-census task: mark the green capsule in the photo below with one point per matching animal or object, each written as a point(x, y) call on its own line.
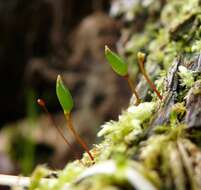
point(64, 96)
point(117, 63)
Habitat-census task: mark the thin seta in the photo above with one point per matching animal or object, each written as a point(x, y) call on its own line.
point(141, 61)
point(42, 104)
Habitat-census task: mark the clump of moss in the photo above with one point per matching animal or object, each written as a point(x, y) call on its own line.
point(164, 156)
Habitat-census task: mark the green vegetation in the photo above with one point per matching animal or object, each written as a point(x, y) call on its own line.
point(154, 145)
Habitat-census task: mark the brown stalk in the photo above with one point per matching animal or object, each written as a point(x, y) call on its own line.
point(42, 103)
point(77, 136)
point(133, 89)
point(141, 61)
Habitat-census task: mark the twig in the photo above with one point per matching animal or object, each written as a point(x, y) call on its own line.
point(11, 180)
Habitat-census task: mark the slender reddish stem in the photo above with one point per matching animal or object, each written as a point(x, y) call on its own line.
point(77, 136)
point(133, 89)
point(42, 103)
point(141, 64)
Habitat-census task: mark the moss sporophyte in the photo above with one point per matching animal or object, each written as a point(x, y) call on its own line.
point(42, 103)
point(121, 68)
point(66, 101)
point(141, 61)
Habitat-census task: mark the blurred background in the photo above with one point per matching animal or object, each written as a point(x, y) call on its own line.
point(40, 39)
